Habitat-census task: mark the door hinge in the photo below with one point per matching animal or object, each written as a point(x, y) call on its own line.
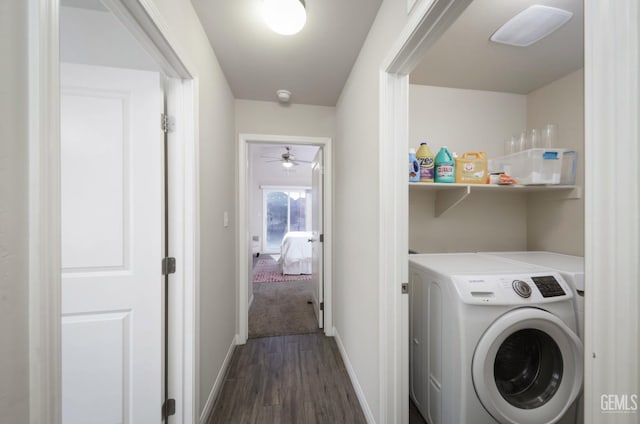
point(321, 238)
point(167, 123)
point(322, 306)
point(405, 288)
point(168, 266)
point(169, 408)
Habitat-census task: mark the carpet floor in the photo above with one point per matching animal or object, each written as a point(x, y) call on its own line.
point(267, 270)
point(282, 309)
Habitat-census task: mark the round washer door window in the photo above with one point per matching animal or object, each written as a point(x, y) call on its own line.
point(527, 367)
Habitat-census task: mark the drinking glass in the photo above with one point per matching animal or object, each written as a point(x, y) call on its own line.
point(521, 142)
point(550, 136)
point(534, 140)
point(510, 145)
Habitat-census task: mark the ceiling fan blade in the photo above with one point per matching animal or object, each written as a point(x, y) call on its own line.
point(274, 160)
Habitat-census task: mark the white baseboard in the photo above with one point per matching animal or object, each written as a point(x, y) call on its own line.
point(354, 379)
point(217, 385)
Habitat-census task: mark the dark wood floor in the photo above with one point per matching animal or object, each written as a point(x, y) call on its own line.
point(287, 379)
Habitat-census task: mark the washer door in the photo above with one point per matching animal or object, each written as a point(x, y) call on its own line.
point(527, 367)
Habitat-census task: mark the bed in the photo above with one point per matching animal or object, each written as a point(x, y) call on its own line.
point(295, 253)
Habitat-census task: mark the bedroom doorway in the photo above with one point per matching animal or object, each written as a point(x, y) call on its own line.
point(281, 299)
point(280, 291)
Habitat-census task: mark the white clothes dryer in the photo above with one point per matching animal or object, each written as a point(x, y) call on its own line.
point(492, 341)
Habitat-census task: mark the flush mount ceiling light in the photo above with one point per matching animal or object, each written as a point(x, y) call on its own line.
point(531, 25)
point(286, 17)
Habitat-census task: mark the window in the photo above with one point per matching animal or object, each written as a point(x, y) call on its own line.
point(284, 210)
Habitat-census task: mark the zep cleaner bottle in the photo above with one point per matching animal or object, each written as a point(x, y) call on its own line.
point(425, 157)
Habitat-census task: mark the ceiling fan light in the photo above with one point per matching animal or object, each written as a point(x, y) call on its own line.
point(531, 25)
point(287, 164)
point(286, 17)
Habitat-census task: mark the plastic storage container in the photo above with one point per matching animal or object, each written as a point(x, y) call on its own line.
point(538, 166)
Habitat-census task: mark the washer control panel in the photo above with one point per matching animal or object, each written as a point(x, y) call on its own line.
point(548, 286)
point(512, 289)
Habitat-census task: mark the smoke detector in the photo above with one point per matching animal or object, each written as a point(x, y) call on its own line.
point(283, 96)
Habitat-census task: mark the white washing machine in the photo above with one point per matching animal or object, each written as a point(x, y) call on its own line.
point(492, 341)
point(572, 270)
point(570, 267)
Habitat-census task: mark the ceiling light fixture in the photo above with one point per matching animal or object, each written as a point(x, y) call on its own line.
point(531, 25)
point(287, 164)
point(286, 17)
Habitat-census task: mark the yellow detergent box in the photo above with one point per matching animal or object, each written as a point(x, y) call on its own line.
point(471, 168)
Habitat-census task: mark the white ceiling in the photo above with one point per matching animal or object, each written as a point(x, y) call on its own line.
point(313, 64)
point(267, 155)
point(465, 58)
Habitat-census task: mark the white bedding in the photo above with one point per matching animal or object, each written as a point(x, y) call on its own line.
point(295, 253)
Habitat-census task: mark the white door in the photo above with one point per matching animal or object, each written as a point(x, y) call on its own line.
point(112, 233)
point(316, 239)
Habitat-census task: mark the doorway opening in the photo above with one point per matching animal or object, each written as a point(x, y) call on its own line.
point(284, 282)
point(281, 222)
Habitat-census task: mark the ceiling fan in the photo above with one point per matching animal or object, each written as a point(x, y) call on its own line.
point(288, 159)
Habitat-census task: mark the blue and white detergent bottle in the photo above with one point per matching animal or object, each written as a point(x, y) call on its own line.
point(414, 167)
point(445, 166)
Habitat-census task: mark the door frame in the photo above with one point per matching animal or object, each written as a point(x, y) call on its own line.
point(427, 21)
point(611, 58)
point(148, 26)
point(244, 233)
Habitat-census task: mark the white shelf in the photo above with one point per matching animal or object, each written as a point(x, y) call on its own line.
point(449, 195)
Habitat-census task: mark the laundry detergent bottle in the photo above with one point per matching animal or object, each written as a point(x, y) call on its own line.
point(445, 166)
point(425, 157)
point(414, 167)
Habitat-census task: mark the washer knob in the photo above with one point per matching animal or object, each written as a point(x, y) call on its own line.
point(521, 288)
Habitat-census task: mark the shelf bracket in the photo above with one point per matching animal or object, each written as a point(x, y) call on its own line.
point(447, 199)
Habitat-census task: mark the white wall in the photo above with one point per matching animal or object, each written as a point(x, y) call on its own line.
point(356, 197)
point(14, 349)
point(558, 225)
point(258, 117)
point(466, 120)
point(217, 192)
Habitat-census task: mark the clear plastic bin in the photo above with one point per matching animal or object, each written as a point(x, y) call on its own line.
point(538, 166)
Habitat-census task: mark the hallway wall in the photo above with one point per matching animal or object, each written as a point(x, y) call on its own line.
point(217, 193)
point(258, 117)
point(14, 272)
point(356, 278)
